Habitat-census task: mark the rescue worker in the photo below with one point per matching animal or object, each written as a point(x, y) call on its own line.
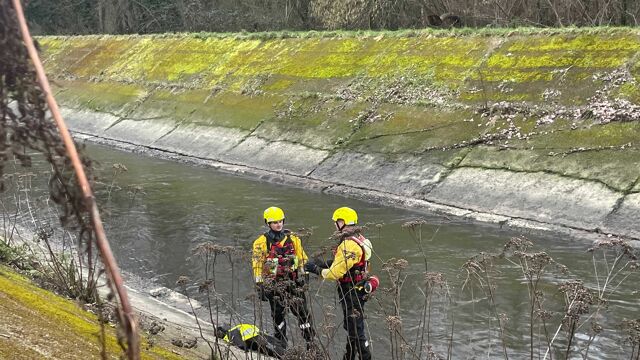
point(249, 337)
point(350, 267)
point(278, 261)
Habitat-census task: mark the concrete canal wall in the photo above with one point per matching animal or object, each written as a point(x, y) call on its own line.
point(526, 127)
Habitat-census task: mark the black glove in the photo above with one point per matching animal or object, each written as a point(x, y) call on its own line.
point(312, 267)
point(326, 263)
point(302, 279)
point(261, 293)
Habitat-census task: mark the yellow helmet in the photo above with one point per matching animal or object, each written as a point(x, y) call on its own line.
point(273, 214)
point(348, 215)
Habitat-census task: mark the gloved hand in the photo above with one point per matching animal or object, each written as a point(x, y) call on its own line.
point(302, 279)
point(369, 284)
point(312, 267)
point(261, 293)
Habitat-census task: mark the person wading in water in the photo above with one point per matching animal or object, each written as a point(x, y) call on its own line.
point(278, 258)
point(350, 268)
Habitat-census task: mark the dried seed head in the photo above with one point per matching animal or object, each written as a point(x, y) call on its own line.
point(434, 279)
point(205, 286)
point(578, 299)
point(515, 244)
point(620, 246)
point(303, 233)
point(413, 224)
point(345, 233)
point(503, 318)
point(596, 327)
point(394, 323)
point(395, 264)
point(632, 330)
point(119, 167)
point(206, 248)
point(543, 314)
point(182, 281)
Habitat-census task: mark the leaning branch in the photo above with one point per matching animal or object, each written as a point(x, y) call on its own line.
point(127, 318)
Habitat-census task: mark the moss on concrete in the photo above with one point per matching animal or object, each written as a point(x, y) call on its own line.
point(565, 60)
point(529, 65)
point(605, 153)
point(60, 53)
point(614, 168)
point(404, 129)
point(106, 52)
point(374, 92)
point(315, 125)
point(110, 97)
point(630, 90)
point(203, 108)
point(588, 136)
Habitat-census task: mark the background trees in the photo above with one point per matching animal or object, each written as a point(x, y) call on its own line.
point(152, 16)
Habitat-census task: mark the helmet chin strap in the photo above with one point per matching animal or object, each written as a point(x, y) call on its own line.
point(340, 228)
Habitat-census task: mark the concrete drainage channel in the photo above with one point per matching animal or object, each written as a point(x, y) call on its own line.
point(530, 128)
point(540, 202)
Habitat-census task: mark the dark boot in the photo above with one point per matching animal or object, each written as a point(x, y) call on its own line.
point(300, 310)
point(281, 331)
point(365, 350)
point(278, 313)
point(357, 348)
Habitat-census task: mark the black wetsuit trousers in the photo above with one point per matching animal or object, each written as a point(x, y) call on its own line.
point(295, 299)
point(352, 302)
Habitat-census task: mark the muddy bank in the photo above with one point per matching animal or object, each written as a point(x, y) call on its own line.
point(530, 127)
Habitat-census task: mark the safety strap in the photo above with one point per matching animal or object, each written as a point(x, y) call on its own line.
point(348, 278)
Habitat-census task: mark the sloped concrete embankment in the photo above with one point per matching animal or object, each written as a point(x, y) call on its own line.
point(530, 127)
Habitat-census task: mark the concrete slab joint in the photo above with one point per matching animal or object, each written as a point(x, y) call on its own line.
point(537, 196)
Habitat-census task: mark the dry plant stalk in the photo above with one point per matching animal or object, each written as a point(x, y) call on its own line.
point(25, 97)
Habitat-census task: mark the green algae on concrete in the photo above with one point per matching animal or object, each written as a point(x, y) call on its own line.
point(531, 64)
point(614, 168)
point(587, 136)
point(606, 153)
point(564, 60)
point(203, 108)
point(311, 123)
point(630, 90)
point(196, 62)
point(58, 53)
point(108, 50)
point(109, 97)
point(401, 129)
point(230, 78)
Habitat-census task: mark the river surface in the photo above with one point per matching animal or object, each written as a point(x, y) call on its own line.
point(159, 211)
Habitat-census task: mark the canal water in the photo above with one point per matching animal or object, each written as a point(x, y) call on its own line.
point(157, 212)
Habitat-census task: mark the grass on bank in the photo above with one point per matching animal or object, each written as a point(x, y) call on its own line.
point(401, 33)
point(39, 324)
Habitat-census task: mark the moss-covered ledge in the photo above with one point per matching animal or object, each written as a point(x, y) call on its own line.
point(546, 117)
